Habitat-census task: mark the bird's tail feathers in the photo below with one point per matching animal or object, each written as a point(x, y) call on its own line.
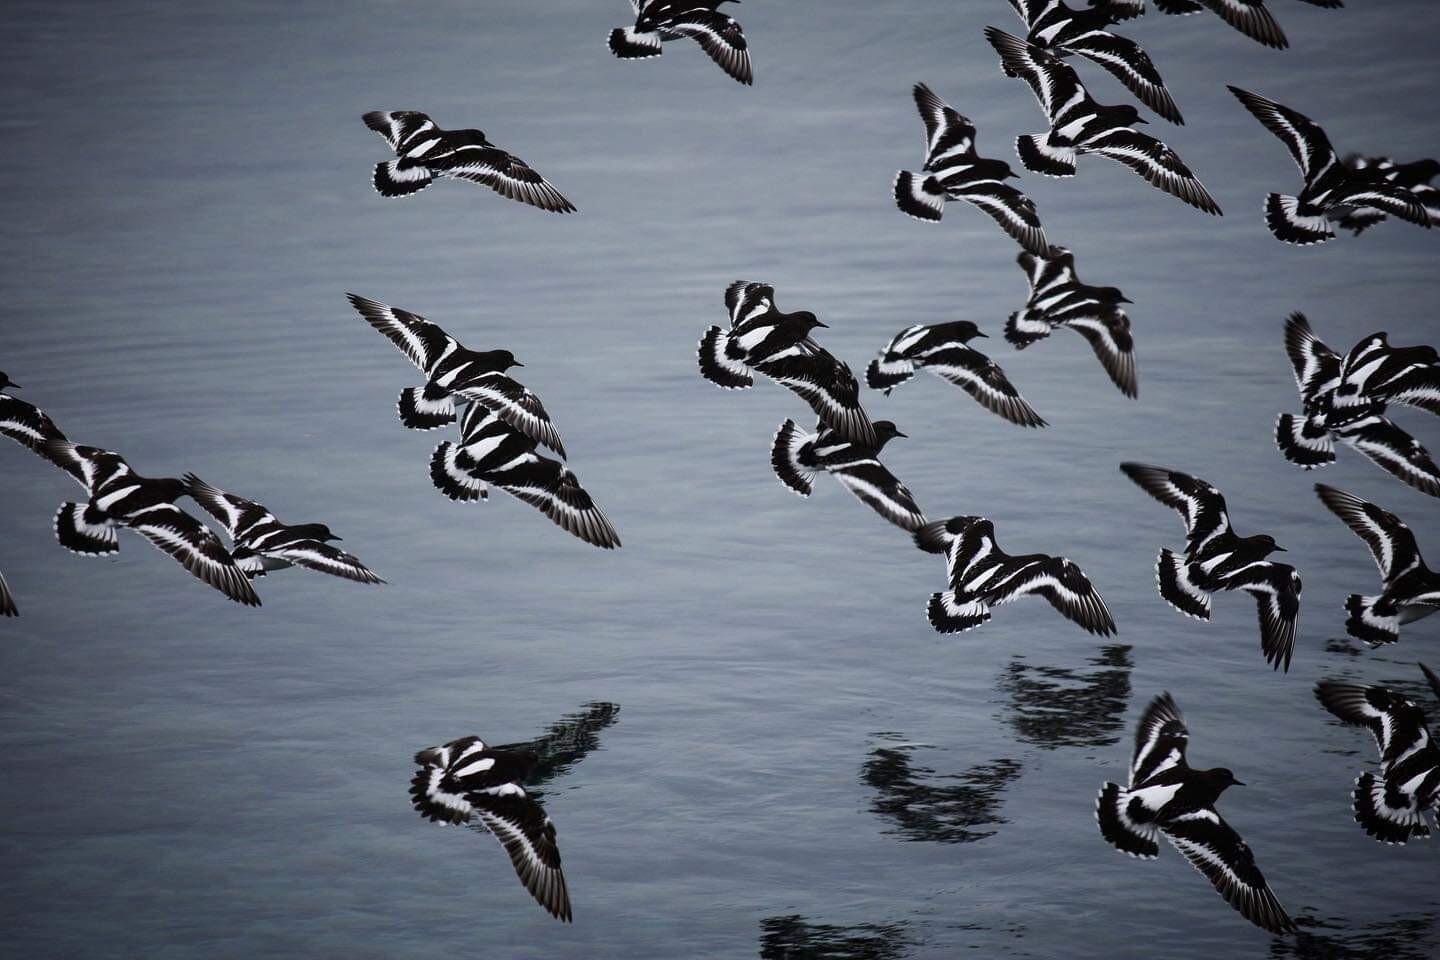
point(1116, 826)
point(393, 180)
point(450, 469)
point(1041, 156)
point(1175, 578)
point(420, 412)
point(85, 531)
point(919, 196)
point(785, 458)
point(1368, 625)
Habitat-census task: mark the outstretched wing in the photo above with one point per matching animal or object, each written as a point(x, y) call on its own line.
point(195, 547)
point(1395, 451)
point(1158, 165)
point(1276, 589)
point(1419, 387)
point(1390, 541)
point(233, 512)
point(982, 378)
point(1124, 59)
point(1108, 333)
point(397, 126)
point(26, 424)
point(748, 298)
point(947, 133)
point(1304, 139)
point(1010, 208)
point(1160, 740)
point(316, 555)
point(514, 403)
point(528, 836)
point(829, 387)
point(1393, 720)
point(720, 37)
point(1067, 589)
point(1045, 273)
point(882, 491)
point(421, 341)
point(1052, 81)
point(1216, 850)
point(504, 173)
point(1316, 366)
point(1199, 503)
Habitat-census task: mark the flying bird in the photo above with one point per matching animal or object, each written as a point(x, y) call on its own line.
point(1414, 176)
point(982, 576)
point(451, 371)
point(1330, 188)
point(466, 782)
point(25, 423)
point(1056, 26)
point(1079, 125)
point(1390, 807)
point(1346, 399)
point(797, 456)
point(119, 497)
point(954, 171)
point(262, 543)
point(780, 346)
point(1409, 589)
point(491, 451)
point(425, 152)
point(1058, 299)
point(1167, 796)
point(1250, 17)
point(1216, 558)
point(943, 349)
point(657, 21)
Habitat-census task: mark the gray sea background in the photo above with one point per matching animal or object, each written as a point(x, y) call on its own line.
point(799, 767)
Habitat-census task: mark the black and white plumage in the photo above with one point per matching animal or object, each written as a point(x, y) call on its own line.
point(1391, 807)
point(1056, 26)
point(657, 21)
point(119, 497)
point(1058, 299)
point(779, 346)
point(797, 456)
point(467, 782)
point(7, 600)
point(425, 152)
point(262, 543)
point(453, 371)
point(1079, 125)
point(1331, 187)
point(942, 349)
point(982, 576)
point(25, 423)
point(491, 451)
point(954, 171)
point(1216, 558)
point(1409, 589)
point(1414, 176)
point(1165, 795)
point(1346, 399)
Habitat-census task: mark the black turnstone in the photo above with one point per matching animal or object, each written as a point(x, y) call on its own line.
point(797, 456)
point(1391, 807)
point(1058, 299)
point(7, 600)
point(954, 171)
point(659, 20)
point(1409, 589)
point(1056, 26)
point(779, 346)
point(941, 349)
point(1346, 398)
point(466, 782)
point(492, 451)
point(425, 152)
point(24, 423)
point(1414, 176)
point(1079, 125)
point(262, 543)
point(119, 497)
point(1216, 558)
point(1330, 186)
point(982, 576)
point(453, 371)
point(1167, 796)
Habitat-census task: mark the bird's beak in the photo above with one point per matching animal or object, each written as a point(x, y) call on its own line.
point(1141, 120)
point(1281, 549)
point(1125, 299)
point(981, 334)
point(337, 538)
point(899, 434)
point(1238, 783)
point(519, 364)
point(819, 323)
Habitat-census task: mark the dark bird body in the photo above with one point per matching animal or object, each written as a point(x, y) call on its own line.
point(23, 422)
point(1331, 188)
point(262, 543)
point(1410, 590)
point(954, 171)
point(119, 497)
point(797, 456)
point(982, 575)
point(1414, 176)
point(1391, 807)
point(467, 782)
point(658, 21)
point(942, 349)
point(425, 152)
point(779, 346)
point(491, 451)
point(1079, 125)
point(1167, 796)
point(1216, 558)
point(1058, 299)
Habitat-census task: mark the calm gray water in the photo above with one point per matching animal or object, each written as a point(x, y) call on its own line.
point(798, 766)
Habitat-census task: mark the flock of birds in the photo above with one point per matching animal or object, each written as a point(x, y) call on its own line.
point(503, 425)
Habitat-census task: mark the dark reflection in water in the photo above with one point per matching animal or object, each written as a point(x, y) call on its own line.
point(1059, 707)
point(1404, 937)
point(795, 938)
point(568, 740)
point(940, 808)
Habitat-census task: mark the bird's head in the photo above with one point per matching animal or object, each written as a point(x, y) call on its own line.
point(1268, 542)
point(965, 331)
point(1112, 295)
point(1223, 779)
point(885, 431)
point(506, 359)
point(5, 382)
point(808, 320)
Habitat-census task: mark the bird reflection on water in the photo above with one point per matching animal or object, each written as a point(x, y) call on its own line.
point(1062, 707)
point(952, 808)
